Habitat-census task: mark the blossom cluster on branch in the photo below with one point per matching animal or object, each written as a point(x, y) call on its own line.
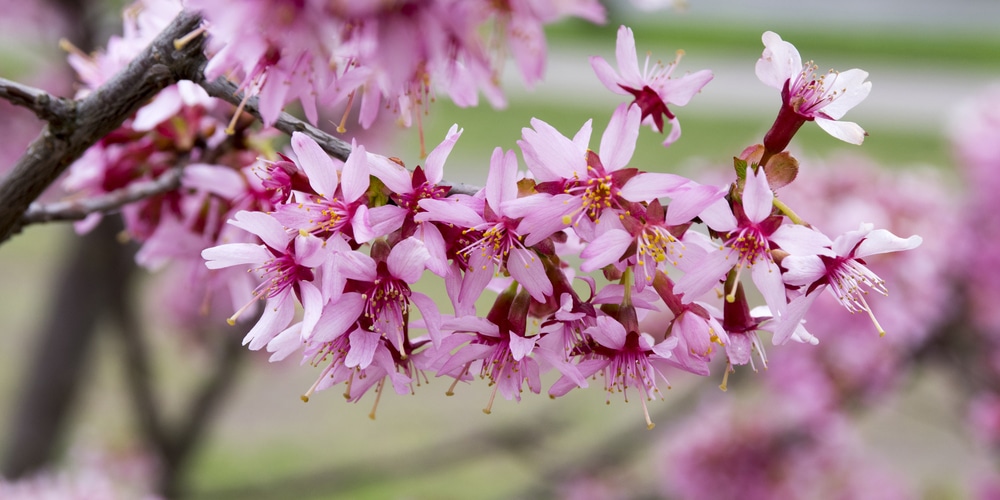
point(602, 270)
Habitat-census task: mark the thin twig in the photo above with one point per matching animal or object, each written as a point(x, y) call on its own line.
point(80, 209)
point(227, 91)
point(45, 106)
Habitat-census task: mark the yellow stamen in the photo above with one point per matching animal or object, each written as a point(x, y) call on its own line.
point(378, 396)
point(347, 110)
point(493, 395)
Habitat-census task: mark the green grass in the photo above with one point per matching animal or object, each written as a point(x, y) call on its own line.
point(713, 140)
point(668, 33)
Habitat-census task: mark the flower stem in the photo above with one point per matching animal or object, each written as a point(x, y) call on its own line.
point(785, 209)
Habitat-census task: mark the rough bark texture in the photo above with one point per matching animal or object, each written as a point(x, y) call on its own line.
point(91, 118)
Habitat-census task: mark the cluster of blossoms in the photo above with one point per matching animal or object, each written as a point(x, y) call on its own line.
point(335, 247)
point(393, 55)
point(347, 240)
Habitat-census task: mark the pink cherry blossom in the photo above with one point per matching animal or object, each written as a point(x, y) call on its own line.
point(806, 96)
point(840, 268)
point(652, 87)
point(377, 294)
point(748, 230)
point(628, 359)
point(496, 242)
point(285, 263)
point(576, 185)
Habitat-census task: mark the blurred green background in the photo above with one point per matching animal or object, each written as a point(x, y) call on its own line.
point(922, 60)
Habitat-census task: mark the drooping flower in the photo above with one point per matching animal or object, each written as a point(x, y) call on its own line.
point(652, 87)
point(628, 360)
point(806, 96)
point(840, 268)
point(285, 263)
point(377, 294)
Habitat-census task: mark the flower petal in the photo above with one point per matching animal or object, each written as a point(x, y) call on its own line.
point(848, 132)
point(407, 260)
point(318, 166)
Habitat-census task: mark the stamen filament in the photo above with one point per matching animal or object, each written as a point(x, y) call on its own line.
point(179, 43)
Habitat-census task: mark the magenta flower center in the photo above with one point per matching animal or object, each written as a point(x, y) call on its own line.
point(387, 300)
point(651, 105)
point(751, 244)
point(280, 273)
point(808, 93)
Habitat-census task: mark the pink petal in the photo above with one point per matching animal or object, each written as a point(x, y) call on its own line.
point(758, 198)
point(312, 307)
point(318, 166)
point(649, 186)
point(705, 275)
point(361, 226)
point(356, 266)
point(501, 181)
point(356, 175)
point(549, 154)
point(851, 89)
point(784, 326)
point(407, 260)
point(434, 165)
point(394, 176)
point(628, 61)
point(430, 314)
point(285, 343)
point(338, 317)
point(363, 346)
point(436, 247)
point(618, 141)
point(450, 211)
point(310, 251)
point(688, 203)
point(767, 278)
point(278, 313)
point(585, 368)
point(525, 267)
point(679, 91)
point(802, 269)
point(801, 240)
point(609, 333)
point(607, 75)
point(270, 231)
point(606, 249)
point(521, 346)
point(719, 216)
point(882, 241)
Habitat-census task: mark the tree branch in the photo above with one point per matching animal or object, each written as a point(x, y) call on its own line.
point(44, 105)
point(91, 118)
point(80, 209)
point(227, 91)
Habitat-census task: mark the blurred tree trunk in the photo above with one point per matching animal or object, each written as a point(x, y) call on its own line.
point(94, 265)
point(97, 267)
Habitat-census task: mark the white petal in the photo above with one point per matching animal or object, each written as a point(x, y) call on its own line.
point(848, 132)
